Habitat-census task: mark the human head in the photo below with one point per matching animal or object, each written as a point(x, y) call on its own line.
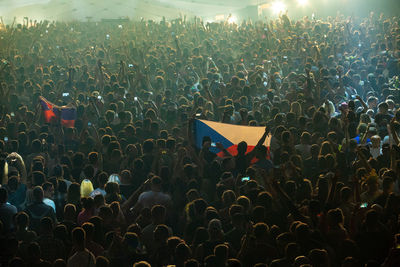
point(158, 214)
point(305, 138)
point(376, 141)
point(70, 212)
point(102, 261)
point(46, 225)
point(335, 217)
point(161, 234)
point(142, 264)
point(48, 190)
point(242, 147)
point(383, 108)
point(156, 183)
point(22, 220)
point(89, 230)
point(87, 203)
point(214, 228)
point(319, 257)
point(102, 179)
point(38, 194)
point(79, 238)
point(86, 188)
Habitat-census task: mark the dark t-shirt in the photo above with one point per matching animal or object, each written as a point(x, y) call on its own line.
point(380, 119)
point(234, 237)
point(383, 161)
point(264, 164)
point(381, 199)
point(148, 162)
point(311, 169)
point(208, 157)
point(51, 248)
point(17, 198)
point(36, 212)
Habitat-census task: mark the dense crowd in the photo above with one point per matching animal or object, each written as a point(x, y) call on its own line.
point(127, 186)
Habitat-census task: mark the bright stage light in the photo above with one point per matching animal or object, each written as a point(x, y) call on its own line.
point(278, 7)
point(302, 2)
point(232, 19)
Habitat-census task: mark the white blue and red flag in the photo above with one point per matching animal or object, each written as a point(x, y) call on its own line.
point(229, 135)
point(51, 112)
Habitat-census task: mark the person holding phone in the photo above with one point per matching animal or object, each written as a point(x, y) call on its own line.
point(373, 191)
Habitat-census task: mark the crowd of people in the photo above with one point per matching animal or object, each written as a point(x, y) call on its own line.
point(127, 186)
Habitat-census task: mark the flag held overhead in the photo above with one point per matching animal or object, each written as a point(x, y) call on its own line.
point(51, 112)
point(229, 135)
point(48, 111)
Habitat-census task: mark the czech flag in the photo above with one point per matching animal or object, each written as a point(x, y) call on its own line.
point(51, 112)
point(229, 135)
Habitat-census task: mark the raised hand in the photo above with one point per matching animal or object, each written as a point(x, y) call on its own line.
point(267, 129)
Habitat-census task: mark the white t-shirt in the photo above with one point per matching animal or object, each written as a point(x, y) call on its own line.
point(150, 198)
point(375, 152)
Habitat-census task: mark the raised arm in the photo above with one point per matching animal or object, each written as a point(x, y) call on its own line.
point(210, 60)
point(334, 178)
point(264, 136)
point(287, 201)
point(363, 160)
point(129, 203)
point(223, 149)
point(365, 107)
point(393, 131)
point(178, 48)
point(252, 153)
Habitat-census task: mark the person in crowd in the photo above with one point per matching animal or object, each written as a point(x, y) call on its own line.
point(92, 246)
point(16, 192)
point(39, 210)
point(48, 190)
point(7, 211)
point(82, 257)
point(154, 196)
point(88, 210)
point(158, 216)
point(23, 233)
point(52, 248)
point(102, 180)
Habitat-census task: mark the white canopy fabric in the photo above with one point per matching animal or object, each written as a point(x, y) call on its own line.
point(133, 9)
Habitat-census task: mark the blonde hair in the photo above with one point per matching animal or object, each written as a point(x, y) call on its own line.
point(86, 188)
